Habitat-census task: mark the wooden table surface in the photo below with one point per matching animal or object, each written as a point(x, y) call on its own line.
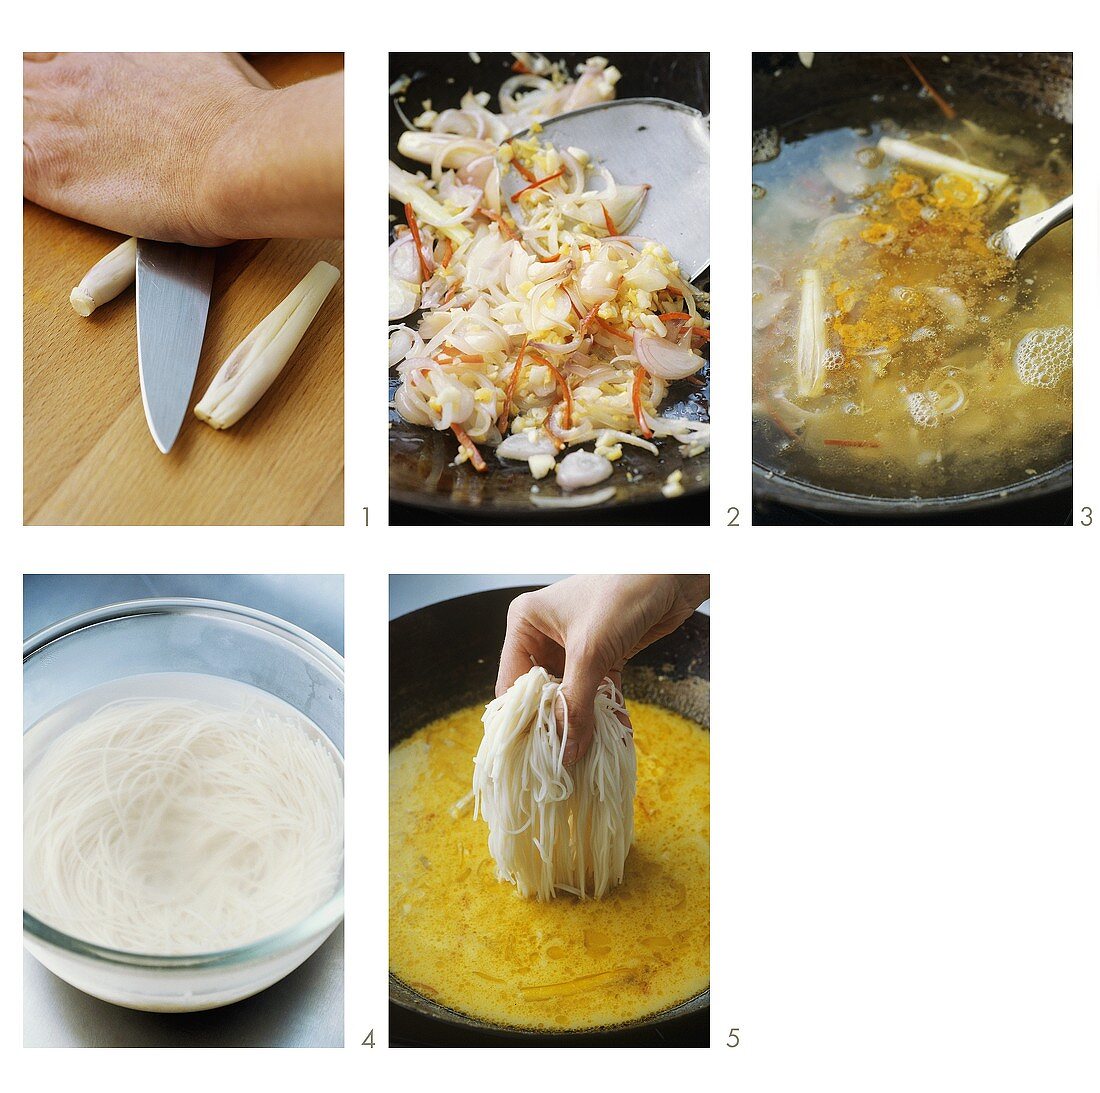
point(88, 455)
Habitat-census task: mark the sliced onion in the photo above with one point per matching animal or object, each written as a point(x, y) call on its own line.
point(520, 447)
point(403, 261)
point(666, 360)
point(403, 341)
point(525, 81)
point(404, 298)
point(599, 282)
point(577, 501)
point(580, 469)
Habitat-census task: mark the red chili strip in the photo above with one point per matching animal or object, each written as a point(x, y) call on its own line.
point(513, 380)
point(410, 218)
point(563, 386)
point(536, 184)
point(526, 172)
point(636, 398)
point(500, 222)
point(612, 330)
point(948, 110)
point(471, 448)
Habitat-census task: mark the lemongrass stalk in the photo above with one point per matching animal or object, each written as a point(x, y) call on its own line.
point(408, 189)
point(810, 362)
point(914, 155)
point(253, 366)
point(106, 279)
point(424, 147)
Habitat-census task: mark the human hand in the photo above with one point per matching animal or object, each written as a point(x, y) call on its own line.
point(183, 147)
point(585, 628)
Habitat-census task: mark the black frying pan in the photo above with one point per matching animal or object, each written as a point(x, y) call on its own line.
point(420, 458)
point(784, 91)
point(431, 675)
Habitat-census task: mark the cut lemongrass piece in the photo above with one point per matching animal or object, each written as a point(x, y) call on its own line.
point(444, 147)
point(253, 366)
point(812, 350)
point(407, 189)
point(915, 155)
point(106, 279)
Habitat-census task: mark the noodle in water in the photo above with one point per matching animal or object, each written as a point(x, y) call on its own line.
point(170, 826)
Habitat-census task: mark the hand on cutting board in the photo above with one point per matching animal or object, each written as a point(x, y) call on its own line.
point(183, 147)
point(587, 627)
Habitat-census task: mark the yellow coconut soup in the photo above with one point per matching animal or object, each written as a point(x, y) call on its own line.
point(469, 942)
point(896, 351)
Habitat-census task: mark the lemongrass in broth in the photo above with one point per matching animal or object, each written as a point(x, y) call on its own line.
point(930, 365)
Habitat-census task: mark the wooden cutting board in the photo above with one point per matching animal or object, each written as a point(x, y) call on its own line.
point(88, 456)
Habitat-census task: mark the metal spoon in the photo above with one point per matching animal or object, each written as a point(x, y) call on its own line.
point(649, 140)
point(1016, 238)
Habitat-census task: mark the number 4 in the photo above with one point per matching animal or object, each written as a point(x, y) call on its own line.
point(369, 1041)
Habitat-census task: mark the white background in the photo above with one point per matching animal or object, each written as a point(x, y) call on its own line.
point(904, 759)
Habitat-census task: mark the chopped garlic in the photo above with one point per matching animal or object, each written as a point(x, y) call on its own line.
point(541, 465)
point(106, 279)
point(673, 486)
point(253, 366)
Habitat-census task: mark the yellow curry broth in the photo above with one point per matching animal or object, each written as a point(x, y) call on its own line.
point(470, 942)
point(923, 317)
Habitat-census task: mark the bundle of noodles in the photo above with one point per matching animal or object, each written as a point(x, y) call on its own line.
point(551, 829)
point(176, 827)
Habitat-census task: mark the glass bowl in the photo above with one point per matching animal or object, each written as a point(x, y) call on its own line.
point(141, 637)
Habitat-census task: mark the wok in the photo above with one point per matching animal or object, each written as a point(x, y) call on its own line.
point(784, 91)
point(432, 675)
point(420, 458)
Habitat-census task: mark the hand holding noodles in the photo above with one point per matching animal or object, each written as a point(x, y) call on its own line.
point(555, 830)
point(254, 365)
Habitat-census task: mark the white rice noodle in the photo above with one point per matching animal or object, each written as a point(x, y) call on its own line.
point(554, 830)
point(172, 827)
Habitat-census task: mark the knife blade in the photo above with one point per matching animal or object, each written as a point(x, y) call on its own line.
point(173, 298)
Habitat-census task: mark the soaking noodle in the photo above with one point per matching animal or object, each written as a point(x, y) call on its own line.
point(173, 826)
point(555, 829)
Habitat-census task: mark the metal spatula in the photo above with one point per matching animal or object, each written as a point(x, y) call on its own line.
point(657, 141)
point(1016, 238)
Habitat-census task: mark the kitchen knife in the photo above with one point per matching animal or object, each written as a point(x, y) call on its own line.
point(173, 297)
